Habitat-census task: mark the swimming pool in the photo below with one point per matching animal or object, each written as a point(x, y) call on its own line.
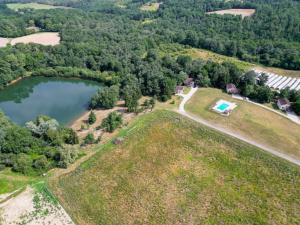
point(222, 107)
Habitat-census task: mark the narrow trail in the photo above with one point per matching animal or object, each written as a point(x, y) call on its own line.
point(182, 111)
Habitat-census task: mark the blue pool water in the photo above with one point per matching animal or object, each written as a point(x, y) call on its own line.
point(223, 107)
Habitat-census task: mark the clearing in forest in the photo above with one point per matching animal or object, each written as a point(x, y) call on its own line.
point(249, 120)
point(151, 7)
point(170, 170)
point(195, 53)
point(44, 38)
point(3, 42)
point(236, 12)
point(36, 6)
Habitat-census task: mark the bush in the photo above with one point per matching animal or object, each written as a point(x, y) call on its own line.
point(296, 107)
point(2, 167)
point(89, 139)
point(112, 122)
point(92, 118)
point(67, 156)
point(70, 136)
point(41, 163)
point(23, 164)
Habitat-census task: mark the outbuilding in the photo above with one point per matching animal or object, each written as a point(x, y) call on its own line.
point(189, 82)
point(179, 90)
point(231, 89)
point(283, 104)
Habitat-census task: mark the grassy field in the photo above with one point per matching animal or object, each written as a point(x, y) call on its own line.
point(171, 171)
point(150, 7)
point(10, 181)
point(249, 120)
point(195, 53)
point(36, 6)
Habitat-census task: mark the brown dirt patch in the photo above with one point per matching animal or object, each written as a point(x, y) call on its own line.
point(236, 12)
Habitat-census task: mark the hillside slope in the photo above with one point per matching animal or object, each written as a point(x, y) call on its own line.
point(172, 171)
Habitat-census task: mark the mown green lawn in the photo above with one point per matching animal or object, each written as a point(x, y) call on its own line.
point(171, 171)
point(249, 120)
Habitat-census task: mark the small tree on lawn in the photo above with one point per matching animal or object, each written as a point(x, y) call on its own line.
point(112, 122)
point(92, 118)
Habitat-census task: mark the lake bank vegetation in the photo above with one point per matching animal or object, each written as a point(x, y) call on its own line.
point(39, 146)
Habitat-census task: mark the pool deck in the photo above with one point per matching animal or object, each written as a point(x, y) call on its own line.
point(223, 107)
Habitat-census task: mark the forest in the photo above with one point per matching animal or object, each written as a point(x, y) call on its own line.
point(108, 42)
point(111, 44)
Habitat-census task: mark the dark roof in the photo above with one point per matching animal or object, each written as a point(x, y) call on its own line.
point(188, 81)
point(283, 101)
point(229, 86)
point(179, 88)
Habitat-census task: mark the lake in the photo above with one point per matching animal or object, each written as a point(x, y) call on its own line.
point(62, 99)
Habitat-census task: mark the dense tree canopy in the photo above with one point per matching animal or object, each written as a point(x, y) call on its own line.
point(105, 42)
point(36, 148)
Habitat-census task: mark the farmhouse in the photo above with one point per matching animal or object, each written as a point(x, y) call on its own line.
point(283, 104)
point(179, 90)
point(189, 82)
point(231, 89)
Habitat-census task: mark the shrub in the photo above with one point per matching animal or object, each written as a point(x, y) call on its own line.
point(67, 156)
point(41, 163)
point(92, 118)
point(70, 136)
point(112, 122)
point(296, 107)
point(89, 139)
point(23, 164)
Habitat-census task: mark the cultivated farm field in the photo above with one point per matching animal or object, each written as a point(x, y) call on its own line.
point(235, 12)
point(170, 170)
point(249, 120)
point(36, 6)
point(3, 42)
point(43, 38)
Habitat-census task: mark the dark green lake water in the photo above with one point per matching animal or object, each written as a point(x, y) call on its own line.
point(62, 99)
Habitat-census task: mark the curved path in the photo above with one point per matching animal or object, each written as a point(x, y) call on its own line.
point(182, 111)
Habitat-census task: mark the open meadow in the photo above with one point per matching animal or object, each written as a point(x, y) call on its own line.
point(197, 53)
point(170, 170)
point(36, 6)
point(249, 120)
point(151, 7)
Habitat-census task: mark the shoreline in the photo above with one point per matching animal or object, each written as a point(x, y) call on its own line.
point(78, 118)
